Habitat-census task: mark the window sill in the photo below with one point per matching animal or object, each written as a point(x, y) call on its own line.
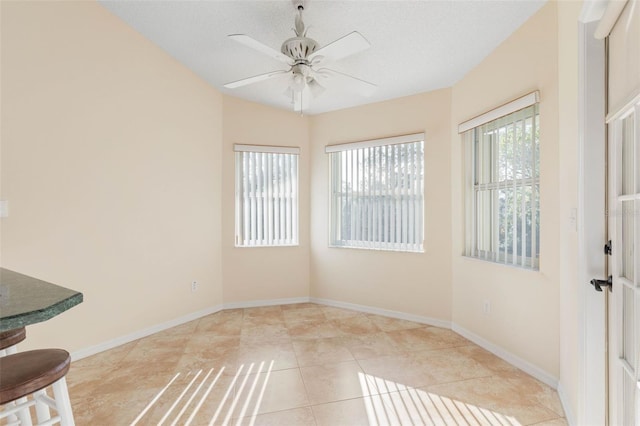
point(378, 249)
point(268, 246)
point(507, 265)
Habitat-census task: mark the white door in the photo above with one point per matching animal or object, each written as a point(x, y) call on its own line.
point(624, 229)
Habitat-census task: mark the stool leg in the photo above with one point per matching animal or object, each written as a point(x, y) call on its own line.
point(42, 409)
point(24, 415)
point(63, 402)
point(11, 418)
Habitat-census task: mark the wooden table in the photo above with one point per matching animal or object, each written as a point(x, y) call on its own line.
point(25, 300)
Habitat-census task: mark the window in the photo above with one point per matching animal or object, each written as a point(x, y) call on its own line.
point(376, 196)
point(503, 184)
point(266, 196)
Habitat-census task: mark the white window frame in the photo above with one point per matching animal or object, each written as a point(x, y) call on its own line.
point(383, 218)
point(266, 215)
point(483, 224)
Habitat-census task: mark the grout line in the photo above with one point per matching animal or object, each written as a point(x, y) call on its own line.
point(380, 393)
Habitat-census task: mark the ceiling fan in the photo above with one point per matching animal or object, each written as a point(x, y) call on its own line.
point(307, 76)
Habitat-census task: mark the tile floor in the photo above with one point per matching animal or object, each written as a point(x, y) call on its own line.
point(305, 364)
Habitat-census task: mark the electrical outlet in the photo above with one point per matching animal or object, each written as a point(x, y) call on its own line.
point(194, 286)
point(486, 307)
point(4, 208)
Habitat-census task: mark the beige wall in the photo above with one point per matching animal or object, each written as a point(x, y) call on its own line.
point(118, 164)
point(1, 106)
point(111, 164)
point(624, 57)
point(413, 283)
point(254, 274)
point(524, 304)
point(568, 154)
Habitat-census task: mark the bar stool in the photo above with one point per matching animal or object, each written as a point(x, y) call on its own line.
point(9, 345)
point(29, 373)
point(9, 339)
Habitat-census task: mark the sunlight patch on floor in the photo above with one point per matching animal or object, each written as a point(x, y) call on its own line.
point(391, 403)
point(236, 405)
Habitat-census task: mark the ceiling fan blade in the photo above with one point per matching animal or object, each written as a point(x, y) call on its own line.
point(255, 79)
point(315, 88)
point(341, 80)
point(348, 45)
point(263, 48)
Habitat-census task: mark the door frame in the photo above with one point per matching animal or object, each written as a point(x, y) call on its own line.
point(592, 227)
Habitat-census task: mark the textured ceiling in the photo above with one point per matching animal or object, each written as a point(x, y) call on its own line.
point(416, 46)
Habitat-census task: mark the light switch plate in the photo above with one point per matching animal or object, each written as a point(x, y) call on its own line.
point(4, 208)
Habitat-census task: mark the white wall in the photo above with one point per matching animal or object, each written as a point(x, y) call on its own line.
point(111, 164)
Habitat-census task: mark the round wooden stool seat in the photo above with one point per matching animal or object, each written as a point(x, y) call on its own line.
point(24, 373)
point(12, 337)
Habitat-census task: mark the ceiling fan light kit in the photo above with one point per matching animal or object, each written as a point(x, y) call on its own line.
point(304, 59)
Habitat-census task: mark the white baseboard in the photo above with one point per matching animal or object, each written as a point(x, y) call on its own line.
point(92, 350)
point(269, 302)
point(568, 414)
point(384, 312)
point(525, 366)
point(118, 341)
point(512, 359)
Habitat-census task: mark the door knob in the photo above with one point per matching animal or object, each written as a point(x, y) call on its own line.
point(598, 284)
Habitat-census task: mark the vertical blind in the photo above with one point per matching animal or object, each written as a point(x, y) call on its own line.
point(503, 165)
point(377, 199)
point(266, 196)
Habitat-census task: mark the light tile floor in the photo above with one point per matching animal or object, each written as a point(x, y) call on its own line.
point(305, 364)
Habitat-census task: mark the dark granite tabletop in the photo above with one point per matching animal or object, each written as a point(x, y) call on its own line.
point(26, 300)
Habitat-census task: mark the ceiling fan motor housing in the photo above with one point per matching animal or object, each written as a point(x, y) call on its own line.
point(298, 48)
